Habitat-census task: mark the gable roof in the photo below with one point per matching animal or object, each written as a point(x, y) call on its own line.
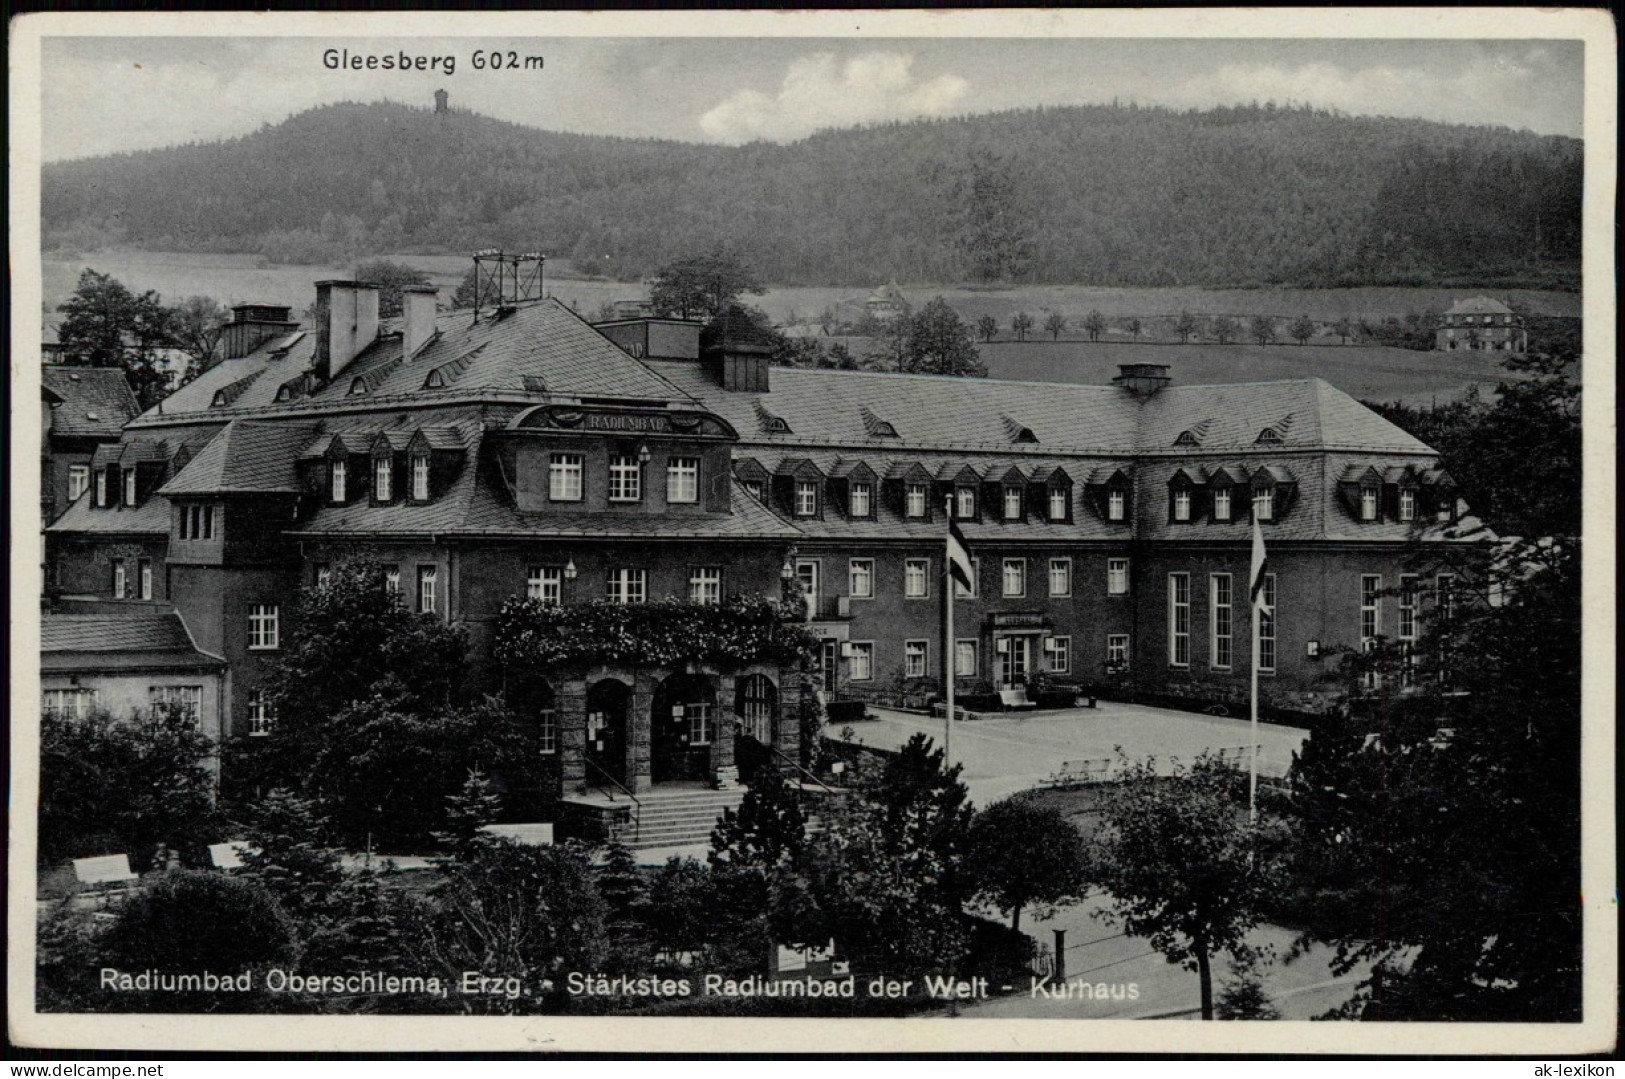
point(96, 402)
point(1479, 305)
point(248, 457)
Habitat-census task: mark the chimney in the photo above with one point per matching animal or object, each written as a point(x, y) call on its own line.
point(346, 323)
point(1142, 379)
point(418, 324)
point(251, 325)
point(739, 354)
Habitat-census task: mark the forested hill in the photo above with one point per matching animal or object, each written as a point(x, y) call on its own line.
point(1100, 195)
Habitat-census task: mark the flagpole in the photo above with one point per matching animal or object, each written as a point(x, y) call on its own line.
point(1252, 753)
point(948, 657)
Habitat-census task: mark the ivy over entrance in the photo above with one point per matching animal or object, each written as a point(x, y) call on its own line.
point(740, 632)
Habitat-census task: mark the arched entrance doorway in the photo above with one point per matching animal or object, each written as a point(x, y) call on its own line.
point(756, 703)
point(684, 721)
point(609, 710)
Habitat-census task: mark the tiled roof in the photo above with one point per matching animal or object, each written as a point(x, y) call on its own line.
point(1479, 305)
point(150, 517)
point(247, 457)
point(118, 641)
point(96, 401)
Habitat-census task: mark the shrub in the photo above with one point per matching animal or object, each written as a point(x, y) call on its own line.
point(190, 921)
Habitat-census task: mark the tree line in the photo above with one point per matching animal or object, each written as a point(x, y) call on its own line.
point(1098, 195)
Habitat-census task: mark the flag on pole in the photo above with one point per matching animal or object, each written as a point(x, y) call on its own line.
point(959, 563)
point(1261, 565)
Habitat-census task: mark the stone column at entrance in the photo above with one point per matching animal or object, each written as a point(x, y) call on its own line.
point(572, 705)
point(723, 769)
point(638, 750)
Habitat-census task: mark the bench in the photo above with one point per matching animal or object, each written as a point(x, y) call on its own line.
point(1015, 698)
point(1078, 773)
point(939, 709)
point(538, 834)
point(107, 875)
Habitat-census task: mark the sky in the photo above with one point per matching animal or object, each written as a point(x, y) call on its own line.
point(108, 95)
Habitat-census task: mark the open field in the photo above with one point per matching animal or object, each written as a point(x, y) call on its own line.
point(241, 277)
point(1373, 373)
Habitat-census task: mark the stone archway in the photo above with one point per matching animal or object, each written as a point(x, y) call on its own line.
point(756, 706)
point(609, 722)
point(684, 725)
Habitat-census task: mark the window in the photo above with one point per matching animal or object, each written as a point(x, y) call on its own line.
point(960, 591)
point(129, 486)
point(1446, 511)
point(862, 500)
point(208, 522)
point(915, 655)
point(337, 473)
point(1368, 503)
point(78, 481)
point(683, 479)
point(701, 722)
point(143, 575)
point(1060, 576)
point(1116, 505)
point(263, 631)
point(1057, 503)
point(705, 585)
point(807, 577)
point(758, 708)
point(1219, 627)
point(101, 488)
point(180, 700)
point(916, 578)
point(428, 589)
point(69, 703)
point(1015, 576)
point(861, 661)
point(261, 716)
point(383, 479)
point(545, 583)
point(564, 477)
point(965, 503)
point(1179, 620)
point(1408, 588)
point(1264, 504)
point(1117, 576)
point(861, 578)
point(420, 477)
point(1370, 610)
point(1221, 503)
point(1117, 651)
point(625, 478)
point(1182, 504)
point(1060, 654)
point(1446, 610)
point(965, 659)
point(547, 730)
point(754, 489)
point(121, 583)
point(916, 502)
point(324, 573)
point(1012, 503)
point(806, 498)
point(628, 585)
point(1407, 503)
point(1266, 625)
point(392, 580)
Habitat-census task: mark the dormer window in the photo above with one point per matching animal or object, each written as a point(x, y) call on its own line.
point(1447, 507)
point(358, 386)
point(101, 487)
point(1269, 436)
point(754, 489)
point(1182, 504)
point(435, 381)
point(1012, 503)
point(1116, 505)
point(1057, 503)
point(861, 499)
point(1407, 503)
point(1186, 439)
point(1369, 495)
point(806, 498)
point(1221, 504)
point(129, 486)
point(1264, 504)
point(965, 503)
point(284, 394)
point(338, 475)
point(420, 477)
point(383, 479)
point(777, 426)
point(916, 500)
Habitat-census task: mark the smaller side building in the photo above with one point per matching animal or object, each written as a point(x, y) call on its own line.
point(118, 665)
point(1481, 324)
point(82, 408)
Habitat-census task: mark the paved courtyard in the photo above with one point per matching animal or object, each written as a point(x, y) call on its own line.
point(1017, 751)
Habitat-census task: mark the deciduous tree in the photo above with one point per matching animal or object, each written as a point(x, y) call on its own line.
point(702, 286)
point(195, 326)
point(1184, 326)
point(391, 278)
point(1022, 854)
point(1262, 329)
point(987, 327)
point(1302, 329)
point(1225, 329)
point(107, 325)
point(1055, 325)
point(939, 343)
point(1021, 325)
point(1095, 325)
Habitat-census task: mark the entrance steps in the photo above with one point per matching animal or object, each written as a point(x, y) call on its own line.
point(670, 818)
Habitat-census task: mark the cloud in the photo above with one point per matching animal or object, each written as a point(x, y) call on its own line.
point(818, 92)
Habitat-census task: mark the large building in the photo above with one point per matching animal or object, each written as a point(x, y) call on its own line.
point(521, 451)
point(1481, 324)
point(82, 408)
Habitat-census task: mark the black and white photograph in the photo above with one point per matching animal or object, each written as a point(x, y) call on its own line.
point(923, 526)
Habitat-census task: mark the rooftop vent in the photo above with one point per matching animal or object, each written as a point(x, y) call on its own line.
point(1142, 379)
